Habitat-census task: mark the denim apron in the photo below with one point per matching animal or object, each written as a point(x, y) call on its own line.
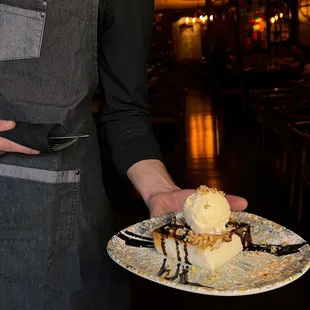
point(55, 219)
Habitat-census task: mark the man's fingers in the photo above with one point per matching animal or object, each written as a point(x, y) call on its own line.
point(12, 147)
point(237, 203)
point(6, 125)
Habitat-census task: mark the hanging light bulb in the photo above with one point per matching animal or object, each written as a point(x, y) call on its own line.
point(187, 20)
point(211, 18)
point(276, 17)
point(194, 20)
point(281, 15)
point(272, 20)
point(206, 17)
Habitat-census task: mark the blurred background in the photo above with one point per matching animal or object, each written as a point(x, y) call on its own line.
point(229, 89)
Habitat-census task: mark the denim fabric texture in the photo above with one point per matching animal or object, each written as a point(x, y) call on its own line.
point(21, 32)
point(55, 219)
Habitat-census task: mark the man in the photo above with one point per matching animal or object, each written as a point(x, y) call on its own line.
point(55, 218)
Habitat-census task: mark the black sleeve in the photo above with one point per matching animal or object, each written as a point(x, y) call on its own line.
point(125, 28)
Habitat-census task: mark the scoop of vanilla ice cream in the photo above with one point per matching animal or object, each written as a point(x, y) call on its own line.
point(207, 211)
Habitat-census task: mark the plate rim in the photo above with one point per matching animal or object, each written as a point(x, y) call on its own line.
point(205, 290)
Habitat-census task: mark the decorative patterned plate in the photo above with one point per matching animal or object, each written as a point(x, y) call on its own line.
point(248, 273)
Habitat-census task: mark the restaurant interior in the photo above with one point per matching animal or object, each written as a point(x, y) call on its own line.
point(229, 94)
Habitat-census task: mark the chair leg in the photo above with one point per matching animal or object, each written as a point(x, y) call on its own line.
point(293, 181)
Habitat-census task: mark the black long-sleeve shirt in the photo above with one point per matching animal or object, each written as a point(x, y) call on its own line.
point(124, 34)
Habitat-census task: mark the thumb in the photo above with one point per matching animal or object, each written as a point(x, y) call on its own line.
point(237, 203)
point(6, 125)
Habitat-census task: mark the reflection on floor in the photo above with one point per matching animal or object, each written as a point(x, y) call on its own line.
point(203, 144)
point(220, 154)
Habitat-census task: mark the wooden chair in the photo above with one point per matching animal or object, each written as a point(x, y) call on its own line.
point(262, 101)
point(280, 118)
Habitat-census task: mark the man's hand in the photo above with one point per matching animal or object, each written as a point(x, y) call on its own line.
point(159, 192)
point(9, 146)
point(163, 203)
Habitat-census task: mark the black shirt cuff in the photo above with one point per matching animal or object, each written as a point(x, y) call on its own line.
point(130, 139)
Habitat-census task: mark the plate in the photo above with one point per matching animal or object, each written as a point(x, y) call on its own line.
point(248, 273)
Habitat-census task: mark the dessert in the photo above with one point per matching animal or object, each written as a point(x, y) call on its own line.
point(204, 235)
point(207, 211)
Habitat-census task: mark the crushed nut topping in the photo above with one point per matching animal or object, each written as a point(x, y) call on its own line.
point(203, 190)
point(180, 231)
point(207, 241)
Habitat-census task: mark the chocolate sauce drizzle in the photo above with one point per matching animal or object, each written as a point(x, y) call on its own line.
point(163, 268)
point(142, 243)
point(178, 250)
point(163, 244)
point(183, 276)
point(180, 232)
point(184, 279)
point(166, 230)
point(176, 274)
point(177, 244)
point(186, 254)
point(134, 240)
point(147, 242)
point(277, 250)
point(138, 236)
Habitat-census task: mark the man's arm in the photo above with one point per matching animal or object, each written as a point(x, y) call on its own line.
point(150, 177)
point(124, 37)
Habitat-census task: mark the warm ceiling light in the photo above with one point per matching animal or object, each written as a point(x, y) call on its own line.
point(211, 18)
point(186, 20)
point(206, 17)
point(281, 15)
point(202, 19)
point(276, 17)
point(272, 20)
point(194, 20)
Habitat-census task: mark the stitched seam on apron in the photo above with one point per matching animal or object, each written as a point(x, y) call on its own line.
point(21, 12)
point(38, 175)
point(39, 8)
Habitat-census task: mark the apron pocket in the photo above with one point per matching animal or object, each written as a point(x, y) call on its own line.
point(40, 212)
point(21, 28)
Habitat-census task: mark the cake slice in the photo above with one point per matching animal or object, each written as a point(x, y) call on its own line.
point(208, 251)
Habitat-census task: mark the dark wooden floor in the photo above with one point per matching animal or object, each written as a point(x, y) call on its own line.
point(221, 152)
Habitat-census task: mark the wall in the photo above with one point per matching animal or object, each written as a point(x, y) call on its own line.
point(186, 40)
point(304, 22)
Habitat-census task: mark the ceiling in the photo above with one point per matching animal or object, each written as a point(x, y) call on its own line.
point(177, 4)
point(181, 4)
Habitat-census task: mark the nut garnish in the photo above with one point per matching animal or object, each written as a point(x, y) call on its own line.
point(204, 190)
point(207, 240)
point(180, 231)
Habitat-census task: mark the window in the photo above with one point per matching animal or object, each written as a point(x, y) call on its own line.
point(280, 21)
point(253, 25)
point(304, 22)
